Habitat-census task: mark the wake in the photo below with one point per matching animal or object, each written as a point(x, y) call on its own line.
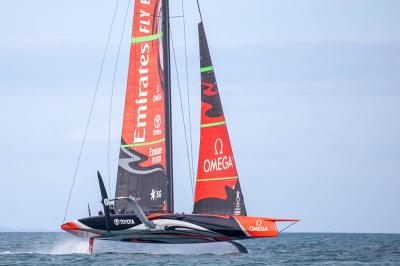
point(59, 248)
point(72, 246)
point(69, 247)
point(220, 248)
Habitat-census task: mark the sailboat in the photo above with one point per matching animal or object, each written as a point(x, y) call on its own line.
point(143, 209)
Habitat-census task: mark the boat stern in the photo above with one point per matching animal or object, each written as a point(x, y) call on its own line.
point(260, 226)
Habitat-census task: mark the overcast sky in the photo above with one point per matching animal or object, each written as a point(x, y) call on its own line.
point(310, 90)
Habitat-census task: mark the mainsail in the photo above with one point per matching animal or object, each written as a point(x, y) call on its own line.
point(144, 168)
point(217, 185)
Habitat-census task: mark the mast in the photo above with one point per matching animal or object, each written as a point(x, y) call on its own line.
point(167, 98)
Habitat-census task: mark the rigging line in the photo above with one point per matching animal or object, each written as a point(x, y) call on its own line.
point(198, 8)
point(111, 97)
point(182, 111)
point(91, 110)
point(287, 227)
point(188, 91)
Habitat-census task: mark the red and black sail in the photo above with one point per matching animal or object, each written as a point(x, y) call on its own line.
point(144, 168)
point(217, 186)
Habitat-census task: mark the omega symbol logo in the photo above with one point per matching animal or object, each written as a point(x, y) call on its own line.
point(258, 223)
point(218, 147)
point(219, 161)
point(157, 121)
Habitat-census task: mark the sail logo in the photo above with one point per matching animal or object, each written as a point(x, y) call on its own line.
point(157, 125)
point(238, 208)
point(157, 121)
point(145, 18)
point(218, 147)
point(123, 221)
point(144, 51)
point(220, 162)
point(141, 102)
point(157, 96)
point(258, 227)
point(155, 194)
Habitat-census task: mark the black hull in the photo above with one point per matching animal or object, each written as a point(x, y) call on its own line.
point(172, 228)
point(175, 228)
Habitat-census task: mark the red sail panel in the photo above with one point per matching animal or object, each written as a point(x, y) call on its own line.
point(217, 186)
point(142, 164)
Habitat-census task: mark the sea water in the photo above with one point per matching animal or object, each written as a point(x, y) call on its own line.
point(288, 249)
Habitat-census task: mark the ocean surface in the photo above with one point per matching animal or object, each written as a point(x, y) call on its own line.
point(288, 249)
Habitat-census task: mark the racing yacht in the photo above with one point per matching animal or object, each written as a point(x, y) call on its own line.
point(143, 206)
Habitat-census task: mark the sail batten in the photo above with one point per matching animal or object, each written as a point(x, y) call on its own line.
point(143, 144)
point(214, 124)
point(217, 184)
point(200, 179)
point(206, 69)
point(143, 168)
point(147, 38)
